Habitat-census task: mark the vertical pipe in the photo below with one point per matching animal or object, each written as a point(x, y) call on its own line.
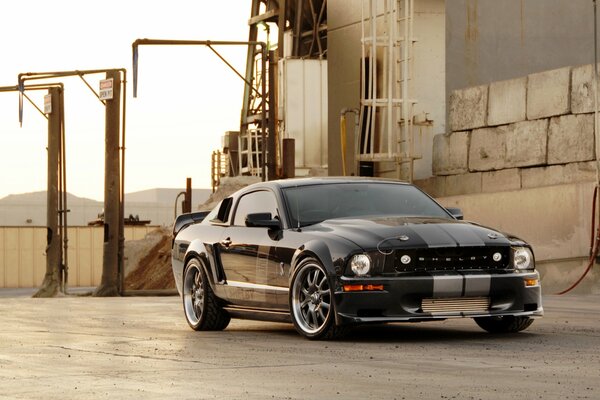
point(389, 77)
point(289, 158)
point(374, 75)
point(122, 188)
point(61, 207)
point(263, 122)
point(188, 196)
point(297, 29)
point(362, 76)
point(280, 29)
point(110, 262)
point(65, 208)
point(272, 139)
point(597, 139)
point(410, 112)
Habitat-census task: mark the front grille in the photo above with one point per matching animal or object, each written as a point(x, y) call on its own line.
point(453, 259)
point(456, 305)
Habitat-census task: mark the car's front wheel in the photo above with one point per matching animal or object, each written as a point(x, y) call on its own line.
point(311, 302)
point(504, 323)
point(202, 310)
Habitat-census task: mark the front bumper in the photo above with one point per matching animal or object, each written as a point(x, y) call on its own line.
point(405, 298)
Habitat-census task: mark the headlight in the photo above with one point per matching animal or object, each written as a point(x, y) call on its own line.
point(360, 264)
point(522, 258)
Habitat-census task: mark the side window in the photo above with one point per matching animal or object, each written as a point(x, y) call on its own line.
point(255, 202)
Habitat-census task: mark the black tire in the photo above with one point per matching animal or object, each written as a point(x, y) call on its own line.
point(200, 305)
point(504, 324)
point(311, 302)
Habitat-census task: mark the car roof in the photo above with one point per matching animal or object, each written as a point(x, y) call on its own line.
point(309, 181)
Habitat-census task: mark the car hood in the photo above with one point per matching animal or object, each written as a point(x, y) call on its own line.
point(409, 232)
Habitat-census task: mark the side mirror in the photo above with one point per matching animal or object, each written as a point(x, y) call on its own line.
point(262, 220)
point(456, 213)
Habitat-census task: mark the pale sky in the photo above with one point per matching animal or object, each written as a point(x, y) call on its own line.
point(187, 97)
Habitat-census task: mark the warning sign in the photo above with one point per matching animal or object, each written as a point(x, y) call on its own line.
point(48, 104)
point(106, 89)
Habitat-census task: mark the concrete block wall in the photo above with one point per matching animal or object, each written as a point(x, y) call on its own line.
point(528, 132)
point(521, 157)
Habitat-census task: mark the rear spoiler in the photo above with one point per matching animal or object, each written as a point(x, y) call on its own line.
point(185, 220)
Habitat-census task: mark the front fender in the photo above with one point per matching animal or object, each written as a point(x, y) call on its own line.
point(333, 263)
point(329, 258)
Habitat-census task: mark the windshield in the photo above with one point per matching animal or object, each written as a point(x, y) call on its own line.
point(308, 205)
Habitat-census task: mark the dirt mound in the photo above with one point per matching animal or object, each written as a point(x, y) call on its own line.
point(148, 261)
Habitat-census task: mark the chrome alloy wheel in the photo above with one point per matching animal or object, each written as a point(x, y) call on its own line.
point(311, 298)
point(193, 293)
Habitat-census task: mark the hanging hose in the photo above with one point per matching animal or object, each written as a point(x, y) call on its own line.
point(594, 246)
point(343, 140)
point(343, 136)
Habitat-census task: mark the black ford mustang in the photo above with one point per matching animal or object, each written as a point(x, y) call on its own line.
point(327, 253)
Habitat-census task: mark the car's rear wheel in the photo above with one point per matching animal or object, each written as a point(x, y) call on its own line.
point(202, 310)
point(311, 302)
point(504, 323)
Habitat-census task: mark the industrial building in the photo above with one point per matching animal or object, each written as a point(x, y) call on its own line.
point(485, 105)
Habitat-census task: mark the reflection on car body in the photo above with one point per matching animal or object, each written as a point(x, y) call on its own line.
point(328, 253)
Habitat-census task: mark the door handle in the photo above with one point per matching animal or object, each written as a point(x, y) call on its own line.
point(226, 242)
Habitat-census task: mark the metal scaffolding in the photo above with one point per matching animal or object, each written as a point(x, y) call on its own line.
point(386, 118)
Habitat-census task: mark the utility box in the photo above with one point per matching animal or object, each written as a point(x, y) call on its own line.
point(302, 110)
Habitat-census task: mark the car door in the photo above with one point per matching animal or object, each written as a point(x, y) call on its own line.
point(244, 253)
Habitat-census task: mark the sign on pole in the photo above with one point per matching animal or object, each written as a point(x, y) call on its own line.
point(48, 104)
point(106, 89)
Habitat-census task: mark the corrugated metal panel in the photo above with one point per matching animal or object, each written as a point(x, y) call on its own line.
point(23, 258)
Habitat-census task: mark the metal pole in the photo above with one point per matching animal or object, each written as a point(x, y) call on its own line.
point(122, 188)
point(64, 208)
point(109, 286)
point(272, 140)
point(263, 122)
point(187, 208)
point(289, 158)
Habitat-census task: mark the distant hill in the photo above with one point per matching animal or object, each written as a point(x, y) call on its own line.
point(156, 205)
point(40, 198)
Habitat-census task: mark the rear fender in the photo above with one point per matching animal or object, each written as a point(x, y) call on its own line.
point(206, 253)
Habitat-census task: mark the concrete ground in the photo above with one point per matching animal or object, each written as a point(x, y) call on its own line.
point(141, 347)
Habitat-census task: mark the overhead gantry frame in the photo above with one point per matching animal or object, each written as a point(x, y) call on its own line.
point(114, 178)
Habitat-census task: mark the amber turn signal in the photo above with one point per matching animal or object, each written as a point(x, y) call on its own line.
point(531, 282)
point(361, 288)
